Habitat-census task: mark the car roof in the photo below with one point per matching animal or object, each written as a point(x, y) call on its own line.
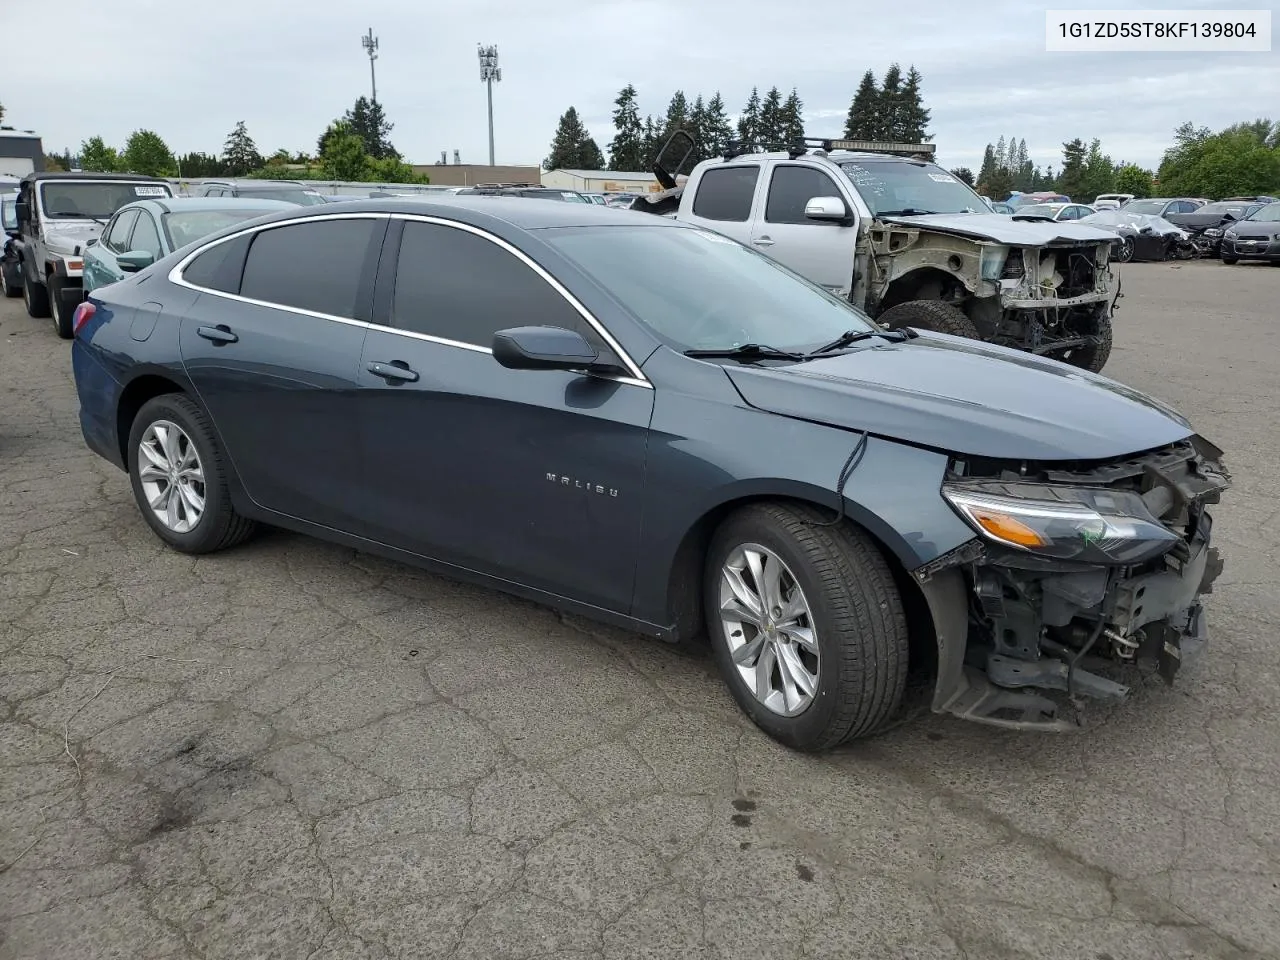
point(83, 175)
point(483, 209)
point(202, 204)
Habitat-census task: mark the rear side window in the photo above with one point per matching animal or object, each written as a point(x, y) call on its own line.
point(724, 193)
point(219, 267)
point(455, 285)
point(145, 237)
point(319, 266)
point(791, 189)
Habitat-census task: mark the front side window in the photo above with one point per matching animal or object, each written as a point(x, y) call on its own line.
point(315, 266)
point(725, 193)
point(145, 236)
point(790, 190)
point(458, 286)
point(118, 234)
point(714, 293)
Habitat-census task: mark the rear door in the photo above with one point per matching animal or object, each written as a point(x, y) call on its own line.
point(819, 250)
point(272, 346)
point(724, 198)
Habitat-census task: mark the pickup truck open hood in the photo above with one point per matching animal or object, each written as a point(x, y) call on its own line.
point(966, 397)
point(1000, 228)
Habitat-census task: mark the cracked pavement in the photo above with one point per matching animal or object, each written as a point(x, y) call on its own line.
point(290, 750)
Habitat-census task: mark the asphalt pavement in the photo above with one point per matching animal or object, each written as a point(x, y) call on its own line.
point(291, 750)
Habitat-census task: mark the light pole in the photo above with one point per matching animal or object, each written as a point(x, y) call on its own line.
point(370, 44)
point(489, 72)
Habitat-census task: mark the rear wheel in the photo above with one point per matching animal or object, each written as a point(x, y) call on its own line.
point(36, 298)
point(179, 476)
point(1229, 261)
point(807, 625)
point(11, 280)
point(930, 315)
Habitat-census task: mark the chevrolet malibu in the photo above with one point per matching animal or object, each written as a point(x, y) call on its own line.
point(642, 422)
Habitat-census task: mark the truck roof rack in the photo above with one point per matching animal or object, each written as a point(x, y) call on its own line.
point(802, 145)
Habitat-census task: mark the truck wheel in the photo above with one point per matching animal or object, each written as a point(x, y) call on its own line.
point(36, 298)
point(1093, 357)
point(807, 625)
point(58, 308)
point(930, 315)
point(11, 280)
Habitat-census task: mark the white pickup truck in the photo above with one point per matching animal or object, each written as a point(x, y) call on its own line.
point(58, 213)
point(903, 239)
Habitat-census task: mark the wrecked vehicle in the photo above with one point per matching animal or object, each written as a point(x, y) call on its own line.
point(1143, 237)
point(1207, 224)
point(904, 240)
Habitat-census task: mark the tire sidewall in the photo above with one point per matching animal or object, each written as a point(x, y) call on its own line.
point(178, 409)
point(810, 726)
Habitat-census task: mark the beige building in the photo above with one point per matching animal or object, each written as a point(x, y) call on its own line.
point(601, 181)
point(469, 174)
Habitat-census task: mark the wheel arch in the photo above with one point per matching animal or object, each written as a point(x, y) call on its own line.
point(147, 384)
point(921, 283)
point(685, 579)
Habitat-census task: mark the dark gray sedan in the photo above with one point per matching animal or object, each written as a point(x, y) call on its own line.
point(646, 423)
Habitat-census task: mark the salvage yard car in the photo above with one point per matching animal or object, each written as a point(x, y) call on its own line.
point(906, 241)
point(489, 388)
point(142, 232)
point(58, 213)
point(1257, 237)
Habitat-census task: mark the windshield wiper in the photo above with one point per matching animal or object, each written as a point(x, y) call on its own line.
point(906, 212)
point(850, 337)
point(747, 351)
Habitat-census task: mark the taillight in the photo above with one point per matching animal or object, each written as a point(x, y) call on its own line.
point(82, 315)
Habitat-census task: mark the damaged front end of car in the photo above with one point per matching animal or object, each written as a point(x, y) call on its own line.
point(1076, 570)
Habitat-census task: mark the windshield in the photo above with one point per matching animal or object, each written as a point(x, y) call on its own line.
point(1149, 208)
point(1237, 210)
point(304, 198)
point(189, 226)
point(94, 201)
point(699, 290)
point(894, 187)
point(1268, 214)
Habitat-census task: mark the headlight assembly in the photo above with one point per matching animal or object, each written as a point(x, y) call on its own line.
point(1089, 526)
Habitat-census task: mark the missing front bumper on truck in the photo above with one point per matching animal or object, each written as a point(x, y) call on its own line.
point(1078, 570)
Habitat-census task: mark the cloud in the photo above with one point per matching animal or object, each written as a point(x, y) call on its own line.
point(287, 70)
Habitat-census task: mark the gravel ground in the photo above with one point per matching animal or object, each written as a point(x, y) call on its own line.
point(291, 750)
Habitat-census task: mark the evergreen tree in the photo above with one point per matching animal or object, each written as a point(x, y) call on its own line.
point(863, 121)
point(572, 148)
point(963, 174)
point(793, 117)
point(677, 115)
point(697, 128)
point(717, 130)
point(890, 103)
point(369, 123)
point(239, 153)
point(1071, 181)
point(771, 119)
point(912, 121)
point(652, 141)
point(627, 148)
point(988, 165)
point(1001, 154)
point(749, 120)
point(198, 164)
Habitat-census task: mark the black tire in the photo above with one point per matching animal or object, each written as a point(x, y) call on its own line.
point(36, 298)
point(1125, 253)
point(856, 610)
point(930, 315)
point(219, 525)
point(11, 280)
point(1093, 357)
point(1230, 261)
point(58, 309)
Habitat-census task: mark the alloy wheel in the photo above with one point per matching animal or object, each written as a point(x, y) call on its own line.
point(172, 476)
point(768, 626)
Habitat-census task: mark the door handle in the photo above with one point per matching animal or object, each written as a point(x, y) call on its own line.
point(762, 242)
point(393, 371)
point(219, 334)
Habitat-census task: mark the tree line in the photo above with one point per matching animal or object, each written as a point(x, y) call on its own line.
point(889, 110)
point(1242, 160)
point(355, 147)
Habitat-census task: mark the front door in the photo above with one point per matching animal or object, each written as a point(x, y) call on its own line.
point(819, 250)
point(532, 476)
point(275, 363)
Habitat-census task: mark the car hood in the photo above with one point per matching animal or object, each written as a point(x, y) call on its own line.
point(966, 397)
point(68, 234)
point(1256, 228)
point(1198, 220)
point(1001, 228)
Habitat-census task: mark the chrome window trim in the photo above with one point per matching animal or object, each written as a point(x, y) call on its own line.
point(174, 276)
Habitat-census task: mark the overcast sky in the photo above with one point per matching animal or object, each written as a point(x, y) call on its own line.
point(287, 69)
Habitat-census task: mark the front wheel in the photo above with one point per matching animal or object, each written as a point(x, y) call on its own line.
point(35, 296)
point(807, 625)
point(1094, 356)
point(58, 308)
point(930, 315)
point(1125, 253)
point(179, 476)
point(1230, 261)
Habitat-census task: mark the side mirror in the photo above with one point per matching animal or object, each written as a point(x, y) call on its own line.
point(1228, 215)
point(826, 208)
point(135, 260)
point(543, 348)
point(22, 209)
